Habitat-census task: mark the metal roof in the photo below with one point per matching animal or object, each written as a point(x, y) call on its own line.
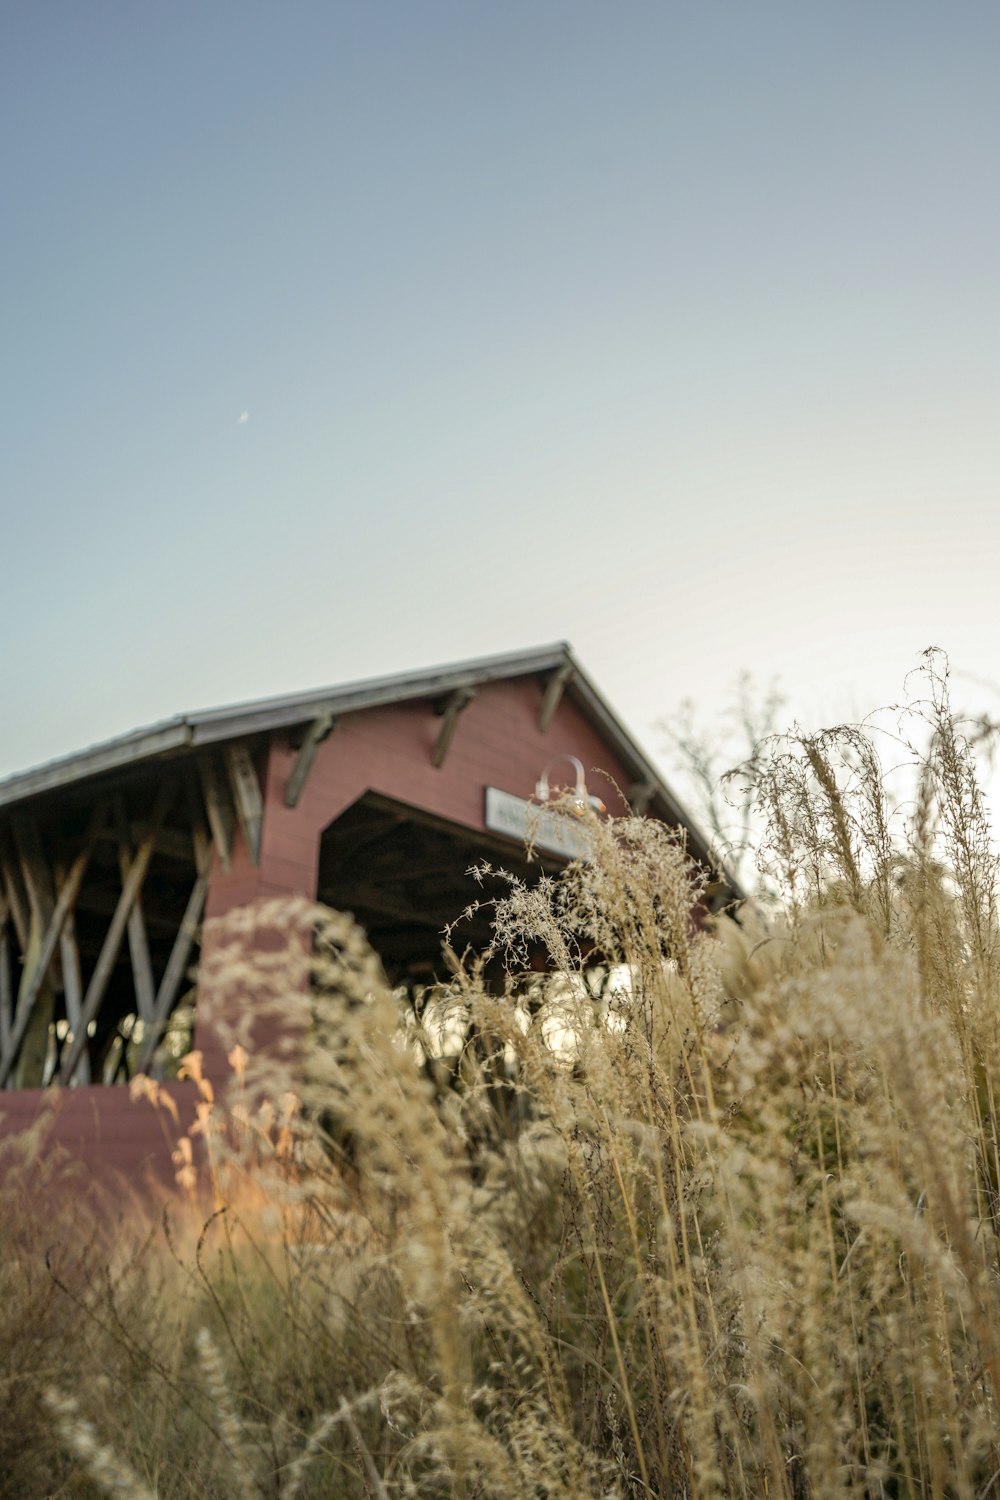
point(214, 726)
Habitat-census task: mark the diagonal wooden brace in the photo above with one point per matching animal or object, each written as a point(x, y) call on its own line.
point(552, 697)
point(108, 956)
point(138, 942)
point(247, 796)
point(452, 710)
point(65, 902)
point(318, 731)
point(218, 810)
point(173, 974)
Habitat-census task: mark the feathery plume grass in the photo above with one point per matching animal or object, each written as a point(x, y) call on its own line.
point(705, 1209)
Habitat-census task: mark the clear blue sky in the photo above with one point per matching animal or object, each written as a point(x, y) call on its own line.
point(670, 329)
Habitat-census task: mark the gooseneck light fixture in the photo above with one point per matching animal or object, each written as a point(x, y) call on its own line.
point(581, 797)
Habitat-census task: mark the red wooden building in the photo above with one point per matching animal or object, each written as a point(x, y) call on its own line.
point(375, 798)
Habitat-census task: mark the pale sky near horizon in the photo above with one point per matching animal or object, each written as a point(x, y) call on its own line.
point(342, 339)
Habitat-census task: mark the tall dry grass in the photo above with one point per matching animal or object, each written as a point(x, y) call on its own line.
point(696, 1213)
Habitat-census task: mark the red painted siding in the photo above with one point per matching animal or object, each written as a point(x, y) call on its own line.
point(124, 1143)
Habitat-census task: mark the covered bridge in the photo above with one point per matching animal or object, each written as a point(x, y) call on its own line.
point(375, 797)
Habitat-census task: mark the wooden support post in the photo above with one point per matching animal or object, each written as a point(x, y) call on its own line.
point(6, 990)
point(317, 732)
point(451, 711)
point(73, 991)
point(108, 955)
point(36, 1045)
point(247, 796)
point(218, 809)
point(17, 902)
point(552, 697)
point(32, 983)
point(34, 870)
point(138, 943)
point(200, 841)
point(173, 974)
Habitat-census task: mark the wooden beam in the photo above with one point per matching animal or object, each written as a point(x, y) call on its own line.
point(101, 901)
point(394, 905)
point(6, 991)
point(174, 843)
point(138, 942)
point(35, 1048)
point(65, 902)
point(405, 873)
point(552, 697)
point(200, 843)
point(318, 731)
point(173, 974)
point(108, 955)
point(247, 797)
point(451, 712)
point(34, 869)
point(218, 809)
point(73, 991)
point(17, 901)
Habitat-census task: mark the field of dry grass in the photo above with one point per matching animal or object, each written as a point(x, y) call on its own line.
point(697, 1213)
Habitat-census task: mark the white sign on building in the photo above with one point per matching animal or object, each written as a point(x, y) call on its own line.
point(547, 828)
